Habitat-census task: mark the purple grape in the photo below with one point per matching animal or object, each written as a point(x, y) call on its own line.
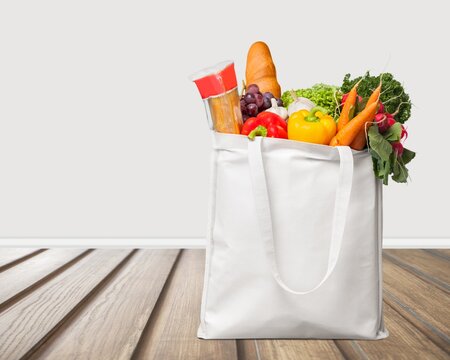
point(250, 98)
point(259, 100)
point(279, 102)
point(252, 109)
point(245, 117)
point(268, 95)
point(252, 89)
point(243, 107)
point(267, 104)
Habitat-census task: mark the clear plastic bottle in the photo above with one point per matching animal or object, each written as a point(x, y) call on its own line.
point(218, 88)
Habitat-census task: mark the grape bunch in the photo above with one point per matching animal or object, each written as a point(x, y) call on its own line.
point(253, 102)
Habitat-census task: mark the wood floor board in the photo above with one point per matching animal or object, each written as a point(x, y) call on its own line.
point(145, 304)
point(121, 308)
point(12, 256)
point(247, 350)
point(172, 331)
point(18, 279)
point(288, 349)
point(434, 334)
point(432, 269)
point(441, 253)
point(405, 342)
point(25, 325)
point(420, 302)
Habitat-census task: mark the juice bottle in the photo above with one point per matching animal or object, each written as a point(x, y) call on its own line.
point(218, 88)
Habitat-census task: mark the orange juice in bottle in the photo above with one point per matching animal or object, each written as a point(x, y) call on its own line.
point(218, 88)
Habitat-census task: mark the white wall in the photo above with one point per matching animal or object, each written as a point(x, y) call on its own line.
point(101, 133)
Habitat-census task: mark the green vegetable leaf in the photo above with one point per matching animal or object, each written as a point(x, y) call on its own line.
point(400, 172)
point(385, 160)
point(378, 144)
point(381, 168)
point(407, 156)
point(394, 132)
point(360, 105)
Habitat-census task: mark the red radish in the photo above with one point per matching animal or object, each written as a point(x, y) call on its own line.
point(404, 133)
point(381, 108)
point(382, 123)
point(344, 98)
point(379, 117)
point(398, 148)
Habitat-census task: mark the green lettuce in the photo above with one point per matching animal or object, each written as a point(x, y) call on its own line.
point(327, 96)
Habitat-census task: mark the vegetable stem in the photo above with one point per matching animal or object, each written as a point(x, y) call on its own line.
point(258, 131)
point(312, 114)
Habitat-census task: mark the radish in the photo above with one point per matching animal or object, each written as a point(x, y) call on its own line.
point(381, 108)
point(382, 123)
point(345, 96)
point(390, 120)
point(404, 133)
point(398, 148)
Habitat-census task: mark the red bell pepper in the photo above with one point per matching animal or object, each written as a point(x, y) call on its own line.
point(276, 131)
point(250, 124)
point(270, 118)
point(265, 124)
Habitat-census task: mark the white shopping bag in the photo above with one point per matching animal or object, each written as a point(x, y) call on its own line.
point(294, 242)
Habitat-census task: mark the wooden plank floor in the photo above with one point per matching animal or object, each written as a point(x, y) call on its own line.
point(145, 304)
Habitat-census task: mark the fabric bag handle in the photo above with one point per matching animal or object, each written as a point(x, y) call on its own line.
point(263, 213)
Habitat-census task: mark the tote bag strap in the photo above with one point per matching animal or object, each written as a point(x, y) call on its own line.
point(264, 216)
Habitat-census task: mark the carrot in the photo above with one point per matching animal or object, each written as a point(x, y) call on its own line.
point(375, 95)
point(348, 105)
point(360, 140)
point(347, 134)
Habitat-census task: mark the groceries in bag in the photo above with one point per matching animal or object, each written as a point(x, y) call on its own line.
point(366, 113)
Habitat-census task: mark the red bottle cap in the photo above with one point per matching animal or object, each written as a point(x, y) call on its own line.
point(215, 80)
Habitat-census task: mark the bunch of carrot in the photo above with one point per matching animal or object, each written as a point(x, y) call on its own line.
point(352, 132)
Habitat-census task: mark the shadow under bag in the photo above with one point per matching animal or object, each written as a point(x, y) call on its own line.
point(294, 242)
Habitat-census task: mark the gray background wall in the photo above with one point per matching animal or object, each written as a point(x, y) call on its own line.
point(101, 133)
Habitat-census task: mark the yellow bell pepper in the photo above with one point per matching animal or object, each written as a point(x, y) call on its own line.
point(313, 126)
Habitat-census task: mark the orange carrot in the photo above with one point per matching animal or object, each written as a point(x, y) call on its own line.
point(360, 140)
point(349, 104)
point(347, 134)
point(375, 95)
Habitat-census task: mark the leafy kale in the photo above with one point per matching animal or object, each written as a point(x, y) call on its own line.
point(393, 95)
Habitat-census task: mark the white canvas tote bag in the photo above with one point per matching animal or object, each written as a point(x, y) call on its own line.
point(294, 242)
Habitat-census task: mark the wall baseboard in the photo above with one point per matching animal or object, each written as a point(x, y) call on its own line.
point(187, 243)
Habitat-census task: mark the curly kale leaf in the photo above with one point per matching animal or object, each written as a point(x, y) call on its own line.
point(393, 95)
